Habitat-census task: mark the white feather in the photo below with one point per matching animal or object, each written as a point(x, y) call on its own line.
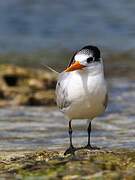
point(50, 68)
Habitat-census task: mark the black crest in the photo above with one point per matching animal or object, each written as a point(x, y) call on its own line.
point(87, 50)
point(91, 50)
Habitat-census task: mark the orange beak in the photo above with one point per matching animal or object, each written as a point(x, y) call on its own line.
point(75, 66)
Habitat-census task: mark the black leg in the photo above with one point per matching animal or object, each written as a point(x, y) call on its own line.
point(71, 149)
point(89, 143)
point(70, 133)
point(89, 133)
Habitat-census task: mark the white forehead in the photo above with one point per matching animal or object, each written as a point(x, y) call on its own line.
point(81, 57)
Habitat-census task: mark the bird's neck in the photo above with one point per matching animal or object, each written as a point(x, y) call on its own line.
point(95, 69)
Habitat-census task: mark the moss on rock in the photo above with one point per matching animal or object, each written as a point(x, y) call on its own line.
point(116, 164)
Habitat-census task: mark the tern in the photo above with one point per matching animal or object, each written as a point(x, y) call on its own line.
point(81, 91)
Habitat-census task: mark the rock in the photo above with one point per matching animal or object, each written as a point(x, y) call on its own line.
point(25, 86)
point(101, 164)
point(36, 84)
point(46, 97)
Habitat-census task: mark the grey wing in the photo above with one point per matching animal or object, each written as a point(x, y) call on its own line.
point(62, 93)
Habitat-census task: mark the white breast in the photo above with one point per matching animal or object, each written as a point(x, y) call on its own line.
point(86, 93)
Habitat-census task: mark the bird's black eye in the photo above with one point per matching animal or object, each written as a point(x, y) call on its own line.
point(90, 59)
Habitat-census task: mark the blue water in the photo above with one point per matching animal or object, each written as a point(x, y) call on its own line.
point(29, 25)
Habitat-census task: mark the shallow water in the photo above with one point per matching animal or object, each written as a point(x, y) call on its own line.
point(38, 24)
point(28, 128)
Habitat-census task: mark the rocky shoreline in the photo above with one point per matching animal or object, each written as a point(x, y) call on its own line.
point(21, 86)
point(99, 164)
point(26, 86)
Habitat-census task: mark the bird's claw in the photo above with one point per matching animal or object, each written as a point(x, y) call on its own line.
point(71, 150)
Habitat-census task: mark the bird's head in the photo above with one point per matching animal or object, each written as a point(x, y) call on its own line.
point(84, 58)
